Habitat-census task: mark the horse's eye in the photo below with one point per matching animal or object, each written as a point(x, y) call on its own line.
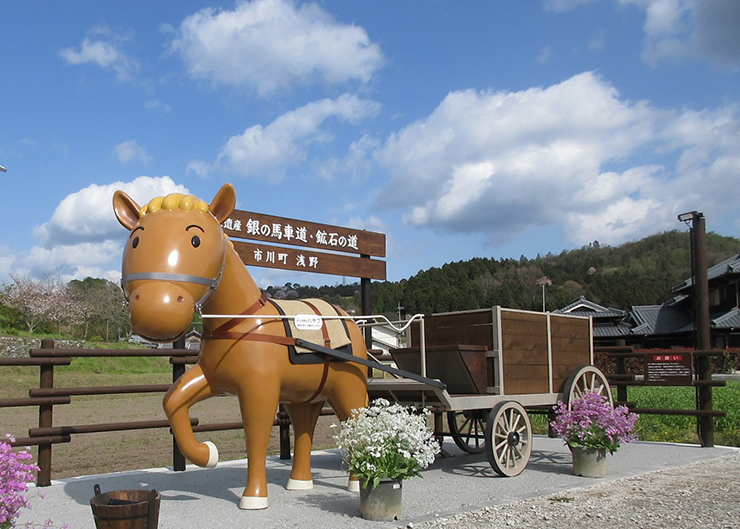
point(195, 241)
point(135, 242)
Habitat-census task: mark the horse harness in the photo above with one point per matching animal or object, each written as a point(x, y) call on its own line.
point(225, 332)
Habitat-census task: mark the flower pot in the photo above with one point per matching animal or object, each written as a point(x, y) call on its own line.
point(589, 462)
point(382, 502)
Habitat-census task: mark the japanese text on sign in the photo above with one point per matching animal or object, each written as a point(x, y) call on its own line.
point(668, 369)
point(288, 233)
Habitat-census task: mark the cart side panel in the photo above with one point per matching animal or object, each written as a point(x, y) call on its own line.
point(524, 353)
point(461, 367)
point(571, 346)
point(469, 327)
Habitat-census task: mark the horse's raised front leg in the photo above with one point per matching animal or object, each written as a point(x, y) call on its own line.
point(189, 389)
point(303, 417)
point(258, 404)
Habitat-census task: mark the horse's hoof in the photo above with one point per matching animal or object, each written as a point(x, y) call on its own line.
point(252, 503)
point(299, 484)
point(212, 455)
point(353, 485)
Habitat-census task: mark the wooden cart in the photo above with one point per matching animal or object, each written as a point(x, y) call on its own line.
point(494, 364)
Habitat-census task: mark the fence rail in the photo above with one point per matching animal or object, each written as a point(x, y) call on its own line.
point(699, 379)
point(46, 396)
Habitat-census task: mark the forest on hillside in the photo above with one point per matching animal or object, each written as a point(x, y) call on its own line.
point(636, 273)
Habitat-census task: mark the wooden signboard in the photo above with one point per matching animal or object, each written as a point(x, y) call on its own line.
point(668, 369)
point(287, 239)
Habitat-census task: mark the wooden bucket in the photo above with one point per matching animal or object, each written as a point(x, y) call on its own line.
point(126, 509)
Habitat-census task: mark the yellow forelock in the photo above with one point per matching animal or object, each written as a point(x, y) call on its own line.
point(175, 201)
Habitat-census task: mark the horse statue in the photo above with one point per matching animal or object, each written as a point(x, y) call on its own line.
point(178, 260)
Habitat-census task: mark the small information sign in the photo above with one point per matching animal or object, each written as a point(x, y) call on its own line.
point(668, 369)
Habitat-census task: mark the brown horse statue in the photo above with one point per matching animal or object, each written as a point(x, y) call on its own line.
point(178, 260)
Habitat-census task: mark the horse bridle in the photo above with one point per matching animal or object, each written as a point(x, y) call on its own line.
point(212, 284)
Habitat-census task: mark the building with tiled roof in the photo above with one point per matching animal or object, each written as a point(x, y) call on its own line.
point(672, 323)
point(608, 322)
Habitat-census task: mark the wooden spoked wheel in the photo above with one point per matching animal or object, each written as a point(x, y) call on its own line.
point(508, 438)
point(468, 429)
point(586, 379)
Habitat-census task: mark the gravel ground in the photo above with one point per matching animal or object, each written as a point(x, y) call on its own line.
point(703, 494)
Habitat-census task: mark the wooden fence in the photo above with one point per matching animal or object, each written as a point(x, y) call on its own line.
point(667, 368)
point(47, 396)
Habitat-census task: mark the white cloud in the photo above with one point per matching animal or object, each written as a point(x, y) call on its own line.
point(564, 5)
point(371, 223)
point(573, 154)
point(83, 238)
point(267, 45)
point(129, 150)
point(105, 51)
point(680, 29)
point(544, 55)
point(354, 166)
point(87, 215)
point(267, 151)
point(155, 104)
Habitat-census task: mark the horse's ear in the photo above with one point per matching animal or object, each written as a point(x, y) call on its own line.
point(127, 211)
point(223, 203)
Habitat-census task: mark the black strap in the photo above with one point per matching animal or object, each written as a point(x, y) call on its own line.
point(351, 358)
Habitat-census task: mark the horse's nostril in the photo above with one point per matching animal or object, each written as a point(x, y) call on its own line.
point(180, 299)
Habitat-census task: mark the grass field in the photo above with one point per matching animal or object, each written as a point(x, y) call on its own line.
point(675, 428)
point(108, 452)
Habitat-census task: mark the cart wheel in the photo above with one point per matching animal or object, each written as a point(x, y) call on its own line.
point(508, 438)
point(586, 379)
point(468, 430)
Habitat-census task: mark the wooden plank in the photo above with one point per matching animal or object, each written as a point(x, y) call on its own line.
point(535, 356)
point(478, 335)
point(569, 327)
point(531, 317)
point(525, 380)
point(460, 367)
point(300, 260)
point(574, 357)
point(469, 327)
point(287, 231)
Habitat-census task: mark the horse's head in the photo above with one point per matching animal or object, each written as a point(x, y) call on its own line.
point(173, 259)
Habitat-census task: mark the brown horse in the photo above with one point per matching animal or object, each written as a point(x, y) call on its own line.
point(178, 259)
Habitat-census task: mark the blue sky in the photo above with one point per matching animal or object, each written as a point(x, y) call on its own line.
point(459, 129)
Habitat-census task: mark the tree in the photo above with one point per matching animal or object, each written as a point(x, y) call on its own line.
point(102, 306)
point(39, 301)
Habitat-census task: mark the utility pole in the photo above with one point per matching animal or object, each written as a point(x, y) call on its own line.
point(702, 336)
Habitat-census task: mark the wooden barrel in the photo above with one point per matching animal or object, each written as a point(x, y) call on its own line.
point(126, 509)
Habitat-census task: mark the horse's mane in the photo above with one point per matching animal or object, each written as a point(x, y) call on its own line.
point(175, 201)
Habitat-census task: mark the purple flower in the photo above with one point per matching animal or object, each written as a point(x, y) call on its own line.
point(15, 475)
point(593, 423)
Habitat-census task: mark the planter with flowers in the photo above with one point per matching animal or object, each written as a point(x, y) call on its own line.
point(591, 427)
point(382, 445)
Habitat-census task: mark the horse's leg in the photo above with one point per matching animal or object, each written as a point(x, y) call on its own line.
point(192, 387)
point(303, 417)
point(258, 404)
point(348, 396)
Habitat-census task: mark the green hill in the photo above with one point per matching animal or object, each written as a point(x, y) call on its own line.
point(635, 273)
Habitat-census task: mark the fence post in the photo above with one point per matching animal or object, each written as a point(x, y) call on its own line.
point(702, 327)
point(46, 420)
point(178, 370)
point(284, 429)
